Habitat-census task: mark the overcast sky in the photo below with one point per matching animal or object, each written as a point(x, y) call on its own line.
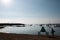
point(30, 11)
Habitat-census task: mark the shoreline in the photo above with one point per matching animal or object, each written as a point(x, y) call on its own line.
point(10, 36)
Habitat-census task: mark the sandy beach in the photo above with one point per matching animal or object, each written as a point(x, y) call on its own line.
point(10, 36)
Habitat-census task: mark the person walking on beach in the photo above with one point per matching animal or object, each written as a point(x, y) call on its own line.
point(52, 31)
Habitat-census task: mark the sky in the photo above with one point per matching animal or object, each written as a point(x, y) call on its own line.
point(30, 11)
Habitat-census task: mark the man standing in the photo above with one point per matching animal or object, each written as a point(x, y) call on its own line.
point(52, 31)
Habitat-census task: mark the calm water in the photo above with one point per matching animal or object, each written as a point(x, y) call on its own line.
point(34, 29)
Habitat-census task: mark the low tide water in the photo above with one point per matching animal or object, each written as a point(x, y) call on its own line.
point(33, 30)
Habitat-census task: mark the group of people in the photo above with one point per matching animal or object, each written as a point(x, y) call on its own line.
point(43, 30)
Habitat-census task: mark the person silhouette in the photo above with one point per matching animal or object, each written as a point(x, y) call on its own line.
point(42, 29)
point(52, 31)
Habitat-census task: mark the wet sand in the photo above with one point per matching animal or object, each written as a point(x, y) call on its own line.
point(10, 36)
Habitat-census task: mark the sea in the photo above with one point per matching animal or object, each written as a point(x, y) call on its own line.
point(32, 30)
